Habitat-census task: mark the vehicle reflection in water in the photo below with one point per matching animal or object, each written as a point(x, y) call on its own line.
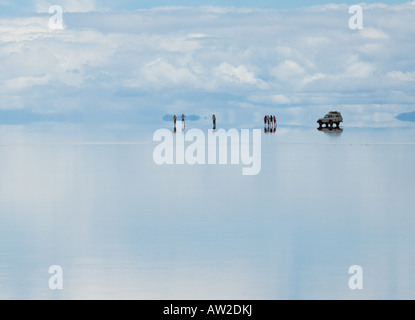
point(337, 131)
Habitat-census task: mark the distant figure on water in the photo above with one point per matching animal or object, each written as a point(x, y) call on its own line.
point(183, 124)
point(214, 122)
point(174, 119)
point(271, 121)
point(270, 124)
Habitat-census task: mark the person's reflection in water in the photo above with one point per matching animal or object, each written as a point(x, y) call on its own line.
point(183, 124)
point(175, 120)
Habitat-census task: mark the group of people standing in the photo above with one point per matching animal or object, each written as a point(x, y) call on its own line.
point(270, 120)
point(270, 124)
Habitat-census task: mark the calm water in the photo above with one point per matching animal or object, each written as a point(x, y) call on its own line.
point(122, 227)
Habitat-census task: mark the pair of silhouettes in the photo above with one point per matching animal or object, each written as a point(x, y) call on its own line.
point(175, 121)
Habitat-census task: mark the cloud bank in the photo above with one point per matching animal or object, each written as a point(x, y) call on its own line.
point(146, 63)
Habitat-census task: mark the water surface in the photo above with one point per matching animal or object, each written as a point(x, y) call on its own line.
point(122, 227)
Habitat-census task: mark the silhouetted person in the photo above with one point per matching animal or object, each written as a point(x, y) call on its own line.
point(183, 124)
point(174, 119)
point(214, 122)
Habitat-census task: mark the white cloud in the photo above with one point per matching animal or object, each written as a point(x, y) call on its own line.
point(161, 72)
point(372, 33)
point(306, 56)
point(317, 41)
point(67, 5)
point(180, 44)
point(287, 69)
point(23, 29)
point(358, 69)
point(239, 74)
point(371, 48)
point(21, 83)
point(270, 99)
point(197, 36)
point(401, 76)
point(235, 74)
point(313, 77)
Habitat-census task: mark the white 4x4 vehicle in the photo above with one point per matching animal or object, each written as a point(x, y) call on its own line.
point(333, 117)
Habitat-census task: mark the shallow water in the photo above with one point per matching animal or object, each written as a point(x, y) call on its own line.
point(122, 227)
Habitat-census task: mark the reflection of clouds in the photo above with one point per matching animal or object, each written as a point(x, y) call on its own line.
point(343, 199)
point(122, 227)
point(39, 175)
point(183, 279)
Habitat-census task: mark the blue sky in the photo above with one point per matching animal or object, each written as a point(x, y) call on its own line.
point(270, 4)
point(9, 7)
point(128, 66)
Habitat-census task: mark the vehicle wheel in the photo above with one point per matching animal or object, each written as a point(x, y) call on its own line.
point(331, 124)
point(320, 124)
point(337, 124)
